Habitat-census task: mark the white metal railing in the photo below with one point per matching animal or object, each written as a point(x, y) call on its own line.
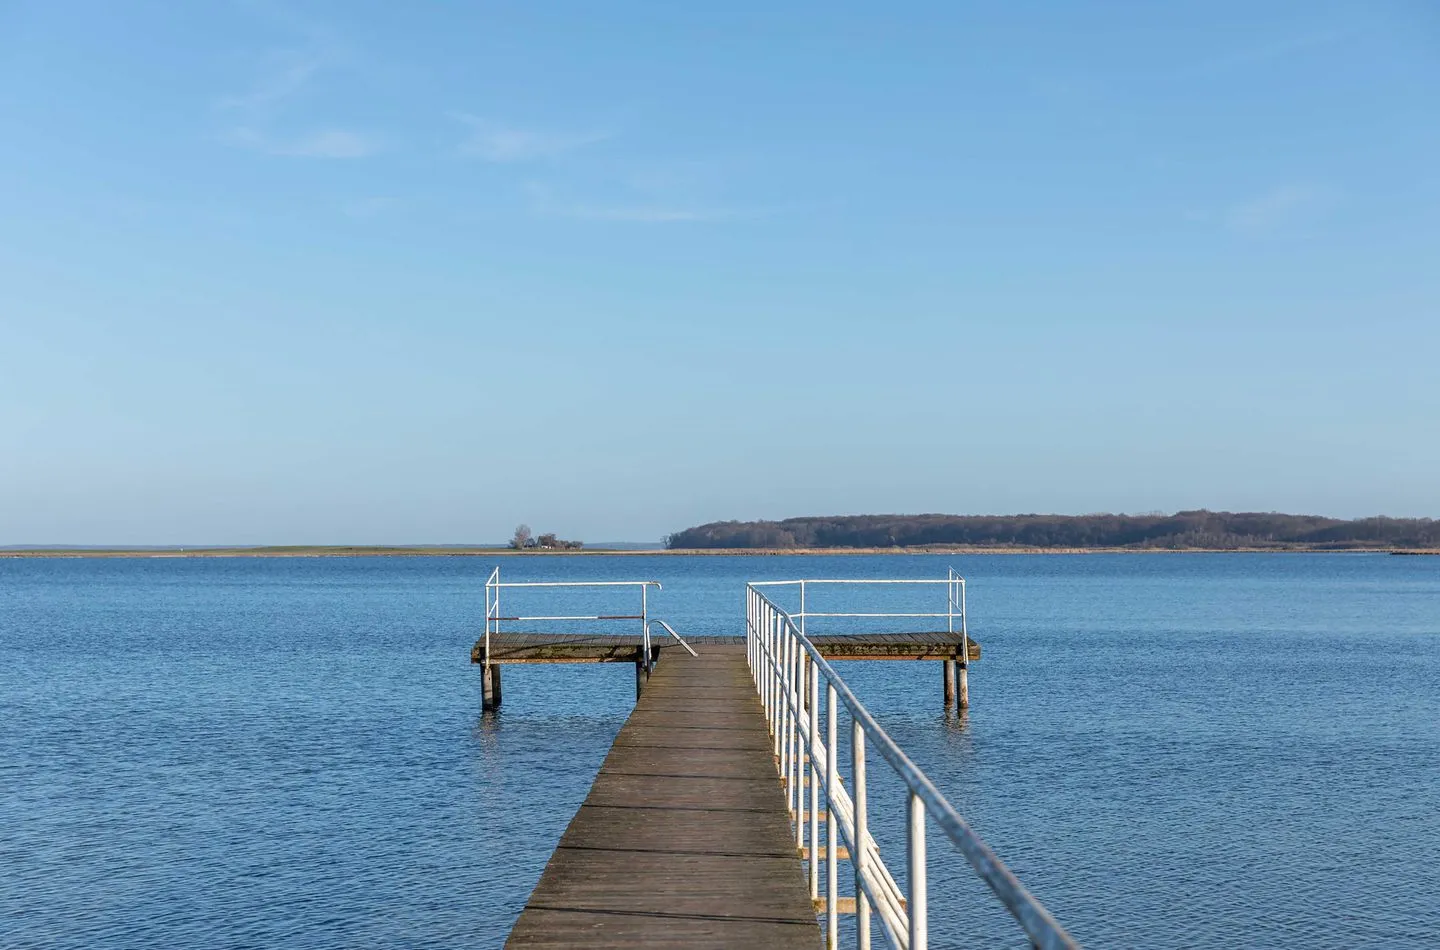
point(788, 671)
point(493, 617)
point(953, 613)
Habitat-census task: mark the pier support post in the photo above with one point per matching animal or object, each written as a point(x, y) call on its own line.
point(948, 667)
point(490, 686)
point(641, 673)
point(964, 666)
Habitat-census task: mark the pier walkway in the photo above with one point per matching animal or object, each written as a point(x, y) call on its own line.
point(720, 818)
point(685, 838)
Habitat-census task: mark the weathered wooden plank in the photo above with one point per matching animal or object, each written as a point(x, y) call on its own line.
point(683, 839)
point(861, 648)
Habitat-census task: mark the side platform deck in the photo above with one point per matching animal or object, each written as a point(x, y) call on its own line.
point(523, 647)
point(684, 839)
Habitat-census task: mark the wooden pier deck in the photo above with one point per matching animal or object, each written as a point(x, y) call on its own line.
point(684, 839)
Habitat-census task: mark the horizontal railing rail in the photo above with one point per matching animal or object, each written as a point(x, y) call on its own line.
point(788, 671)
point(576, 617)
point(508, 584)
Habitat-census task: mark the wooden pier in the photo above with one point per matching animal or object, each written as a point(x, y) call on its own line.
point(697, 831)
point(684, 839)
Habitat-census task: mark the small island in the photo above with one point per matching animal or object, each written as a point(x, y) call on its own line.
point(525, 540)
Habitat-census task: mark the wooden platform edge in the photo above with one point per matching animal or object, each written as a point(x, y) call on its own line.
point(540, 651)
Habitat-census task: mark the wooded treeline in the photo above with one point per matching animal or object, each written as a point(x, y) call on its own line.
point(1185, 529)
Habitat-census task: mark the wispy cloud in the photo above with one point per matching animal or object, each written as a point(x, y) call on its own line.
point(321, 143)
point(285, 73)
point(254, 118)
point(327, 143)
point(1285, 208)
point(497, 142)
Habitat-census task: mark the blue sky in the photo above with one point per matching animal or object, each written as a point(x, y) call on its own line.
point(377, 272)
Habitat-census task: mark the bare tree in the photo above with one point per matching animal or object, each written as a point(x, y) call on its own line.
point(522, 537)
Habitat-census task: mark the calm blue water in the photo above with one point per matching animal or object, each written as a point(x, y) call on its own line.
point(1171, 750)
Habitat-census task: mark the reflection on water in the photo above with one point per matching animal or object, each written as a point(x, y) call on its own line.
point(1182, 751)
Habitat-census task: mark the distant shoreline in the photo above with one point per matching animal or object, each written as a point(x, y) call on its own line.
point(1198, 529)
point(382, 551)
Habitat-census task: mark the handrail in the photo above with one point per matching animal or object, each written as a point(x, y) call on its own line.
point(815, 613)
point(788, 669)
point(954, 602)
point(493, 617)
point(678, 639)
point(654, 584)
point(849, 580)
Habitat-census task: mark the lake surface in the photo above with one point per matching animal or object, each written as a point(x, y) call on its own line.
point(1170, 750)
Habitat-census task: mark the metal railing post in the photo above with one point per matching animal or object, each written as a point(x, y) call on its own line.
point(750, 634)
point(950, 603)
point(771, 672)
point(963, 694)
point(802, 606)
point(764, 660)
point(795, 731)
point(832, 845)
point(772, 669)
point(801, 717)
point(785, 714)
point(963, 628)
point(919, 922)
point(763, 647)
point(858, 851)
point(749, 658)
point(794, 671)
point(762, 651)
point(814, 781)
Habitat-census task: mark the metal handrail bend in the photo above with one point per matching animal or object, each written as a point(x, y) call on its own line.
point(788, 670)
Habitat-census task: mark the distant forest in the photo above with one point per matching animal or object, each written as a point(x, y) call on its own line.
point(1185, 529)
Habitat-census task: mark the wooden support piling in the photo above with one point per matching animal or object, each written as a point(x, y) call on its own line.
point(964, 683)
point(490, 686)
point(948, 669)
point(642, 673)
